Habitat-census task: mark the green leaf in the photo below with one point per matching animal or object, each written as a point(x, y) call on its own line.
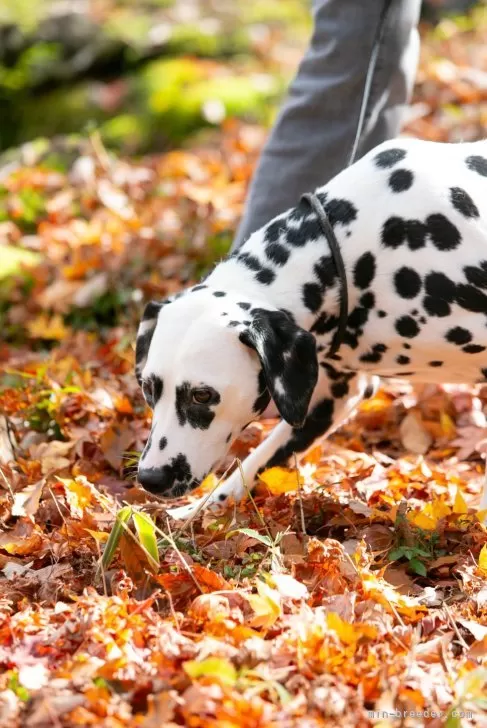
point(396, 554)
point(453, 721)
point(418, 567)
point(218, 668)
point(123, 516)
point(15, 686)
point(253, 534)
point(146, 532)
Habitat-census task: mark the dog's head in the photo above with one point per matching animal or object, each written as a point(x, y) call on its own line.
point(208, 364)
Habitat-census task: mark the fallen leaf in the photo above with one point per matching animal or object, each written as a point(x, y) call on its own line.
point(280, 480)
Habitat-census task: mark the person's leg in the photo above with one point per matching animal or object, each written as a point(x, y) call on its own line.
point(314, 132)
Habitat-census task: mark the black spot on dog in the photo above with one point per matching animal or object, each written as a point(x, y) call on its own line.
point(265, 276)
point(463, 203)
point(339, 389)
point(367, 300)
point(151, 310)
point(222, 497)
point(264, 397)
point(152, 388)
point(340, 212)
point(396, 231)
point(422, 319)
point(389, 157)
point(477, 164)
point(401, 180)
point(438, 285)
point(324, 324)
point(458, 335)
point(198, 416)
point(199, 288)
point(407, 326)
point(381, 314)
point(364, 270)
point(142, 346)
point(250, 261)
point(244, 305)
point(317, 422)
point(403, 360)
point(407, 282)
point(232, 324)
point(219, 294)
point(273, 231)
point(443, 233)
point(473, 349)
point(224, 313)
point(325, 271)
point(228, 438)
point(484, 373)
point(435, 363)
point(308, 230)
point(477, 276)
point(162, 443)
point(375, 355)
point(471, 299)
point(277, 253)
point(406, 345)
point(312, 296)
point(436, 306)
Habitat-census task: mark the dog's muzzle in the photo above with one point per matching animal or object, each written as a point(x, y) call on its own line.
point(170, 480)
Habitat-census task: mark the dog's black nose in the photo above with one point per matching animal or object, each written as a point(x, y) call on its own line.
point(154, 480)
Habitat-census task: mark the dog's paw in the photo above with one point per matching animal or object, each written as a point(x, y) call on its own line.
point(231, 488)
point(184, 512)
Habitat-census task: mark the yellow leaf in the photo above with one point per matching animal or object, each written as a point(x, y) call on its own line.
point(208, 484)
point(349, 633)
point(422, 520)
point(280, 480)
point(459, 505)
point(483, 558)
point(429, 515)
point(99, 536)
point(448, 426)
point(78, 495)
point(217, 668)
point(43, 327)
point(266, 605)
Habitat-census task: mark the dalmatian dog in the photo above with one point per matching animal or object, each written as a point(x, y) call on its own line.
point(410, 219)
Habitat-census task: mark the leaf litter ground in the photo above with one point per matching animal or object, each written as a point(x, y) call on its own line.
point(349, 592)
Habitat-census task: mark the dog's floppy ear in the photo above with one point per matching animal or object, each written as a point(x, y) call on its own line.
point(288, 357)
point(144, 335)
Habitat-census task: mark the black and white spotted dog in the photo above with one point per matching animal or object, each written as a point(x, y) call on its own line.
point(411, 222)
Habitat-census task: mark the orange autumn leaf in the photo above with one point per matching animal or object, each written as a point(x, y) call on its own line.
point(350, 633)
point(209, 580)
point(23, 539)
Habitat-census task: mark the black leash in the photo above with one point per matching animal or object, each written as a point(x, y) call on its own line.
point(313, 201)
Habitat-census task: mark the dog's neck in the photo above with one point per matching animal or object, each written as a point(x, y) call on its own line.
point(290, 288)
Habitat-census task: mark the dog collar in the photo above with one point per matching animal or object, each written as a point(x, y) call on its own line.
point(330, 236)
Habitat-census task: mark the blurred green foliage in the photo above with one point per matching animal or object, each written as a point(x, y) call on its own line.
point(140, 70)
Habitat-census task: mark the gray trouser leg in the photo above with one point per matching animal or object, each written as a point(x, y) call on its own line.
point(314, 132)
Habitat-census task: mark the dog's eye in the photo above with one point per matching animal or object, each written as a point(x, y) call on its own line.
point(203, 395)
